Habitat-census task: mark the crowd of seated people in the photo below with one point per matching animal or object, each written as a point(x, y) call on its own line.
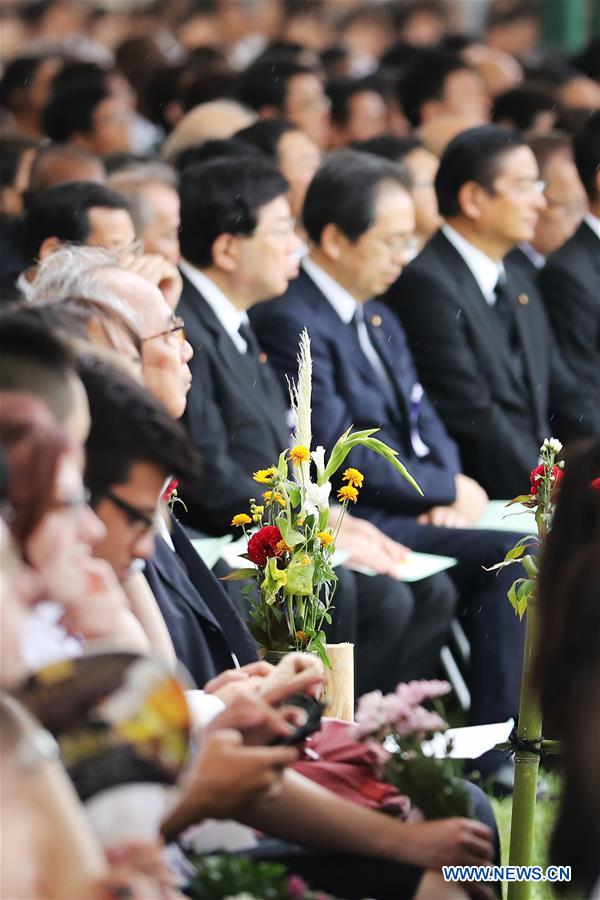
point(184, 189)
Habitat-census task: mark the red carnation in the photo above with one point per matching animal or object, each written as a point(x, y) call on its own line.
point(595, 484)
point(537, 475)
point(263, 545)
point(170, 488)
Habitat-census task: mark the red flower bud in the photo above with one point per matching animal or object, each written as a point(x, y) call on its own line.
point(538, 473)
point(172, 486)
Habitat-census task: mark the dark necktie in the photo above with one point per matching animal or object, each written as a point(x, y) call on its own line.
point(505, 312)
point(245, 332)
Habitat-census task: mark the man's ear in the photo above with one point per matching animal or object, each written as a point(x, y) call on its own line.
point(50, 245)
point(225, 251)
point(430, 109)
point(331, 242)
point(470, 195)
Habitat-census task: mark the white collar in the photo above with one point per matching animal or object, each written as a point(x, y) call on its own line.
point(343, 303)
point(485, 271)
point(592, 222)
point(228, 315)
point(532, 255)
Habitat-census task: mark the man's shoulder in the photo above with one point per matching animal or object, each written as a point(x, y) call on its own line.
point(572, 254)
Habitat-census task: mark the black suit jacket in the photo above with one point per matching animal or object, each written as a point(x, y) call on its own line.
point(230, 394)
point(521, 264)
point(204, 625)
point(570, 285)
point(498, 419)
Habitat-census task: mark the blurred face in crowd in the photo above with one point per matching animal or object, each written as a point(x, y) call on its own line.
point(161, 235)
point(110, 127)
point(508, 213)
point(367, 118)
point(21, 588)
point(165, 351)
point(129, 515)
point(298, 158)
point(61, 544)
point(367, 267)
point(566, 205)
point(259, 266)
point(307, 106)
point(111, 229)
point(580, 93)
point(463, 94)
point(423, 167)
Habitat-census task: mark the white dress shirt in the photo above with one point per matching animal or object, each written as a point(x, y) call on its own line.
point(593, 222)
point(228, 315)
point(485, 271)
point(535, 258)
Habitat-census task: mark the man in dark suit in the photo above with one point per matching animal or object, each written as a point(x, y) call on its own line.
point(360, 219)
point(477, 328)
point(570, 281)
point(238, 248)
point(566, 203)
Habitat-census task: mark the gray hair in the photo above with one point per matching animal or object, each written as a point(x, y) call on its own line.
point(131, 184)
point(71, 272)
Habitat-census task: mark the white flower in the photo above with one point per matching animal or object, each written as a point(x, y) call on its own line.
point(317, 498)
point(318, 457)
point(552, 444)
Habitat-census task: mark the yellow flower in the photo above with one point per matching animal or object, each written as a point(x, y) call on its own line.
point(347, 492)
point(326, 538)
point(241, 519)
point(265, 476)
point(302, 637)
point(353, 477)
point(281, 548)
point(299, 455)
point(274, 497)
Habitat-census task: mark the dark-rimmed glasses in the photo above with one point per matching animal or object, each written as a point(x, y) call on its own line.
point(145, 524)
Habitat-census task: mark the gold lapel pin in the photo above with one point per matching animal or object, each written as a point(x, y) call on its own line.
point(262, 358)
point(523, 299)
point(376, 321)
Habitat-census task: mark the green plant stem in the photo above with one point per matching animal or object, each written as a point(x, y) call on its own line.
point(522, 830)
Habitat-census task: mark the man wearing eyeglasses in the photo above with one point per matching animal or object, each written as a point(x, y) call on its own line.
point(476, 324)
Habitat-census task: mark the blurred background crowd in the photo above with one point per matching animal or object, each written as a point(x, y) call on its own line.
point(184, 186)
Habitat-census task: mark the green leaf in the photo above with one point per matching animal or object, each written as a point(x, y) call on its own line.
point(519, 593)
point(522, 498)
point(241, 575)
point(294, 495)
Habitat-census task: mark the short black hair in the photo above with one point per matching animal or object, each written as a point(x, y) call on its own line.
point(388, 146)
point(34, 361)
point(71, 111)
point(341, 91)
point(265, 82)
point(224, 197)
point(344, 192)
point(503, 14)
point(402, 13)
point(520, 106)
point(586, 149)
point(12, 148)
point(211, 149)
point(16, 80)
point(473, 155)
point(424, 79)
point(75, 73)
point(129, 425)
point(62, 212)
point(265, 135)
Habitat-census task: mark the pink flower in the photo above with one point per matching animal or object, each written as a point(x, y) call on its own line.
point(297, 888)
point(415, 692)
point(170, 489)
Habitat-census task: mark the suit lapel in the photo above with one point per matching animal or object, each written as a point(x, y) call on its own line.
point(480, 316)
point(218, 603)
point(261, 392)
point(346, 336)
point(173, 572)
